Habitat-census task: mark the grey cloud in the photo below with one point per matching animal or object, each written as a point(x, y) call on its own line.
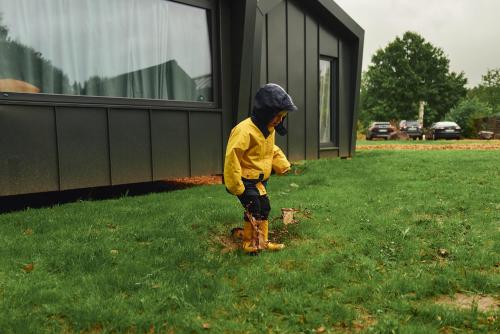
point(467, 30)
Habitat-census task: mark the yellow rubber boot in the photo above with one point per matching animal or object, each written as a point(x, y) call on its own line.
point(264, 227)
point(247, 244)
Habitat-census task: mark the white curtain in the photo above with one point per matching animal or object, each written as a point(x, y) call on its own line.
point(325, 73)
point(123, 48)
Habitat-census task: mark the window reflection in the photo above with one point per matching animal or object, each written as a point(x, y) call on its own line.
point(153, 49)
point(325, 113)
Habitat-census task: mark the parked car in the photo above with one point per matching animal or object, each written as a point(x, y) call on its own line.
point(379, 130)
point(412, 128)
point(444, 130)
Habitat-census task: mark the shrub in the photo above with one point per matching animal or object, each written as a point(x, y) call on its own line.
point(466, 112)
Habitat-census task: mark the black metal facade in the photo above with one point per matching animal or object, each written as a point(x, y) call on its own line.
point(290, 38)
point(55, 143)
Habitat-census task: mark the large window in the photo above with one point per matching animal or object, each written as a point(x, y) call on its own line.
point(327, 103)
point(153, 49)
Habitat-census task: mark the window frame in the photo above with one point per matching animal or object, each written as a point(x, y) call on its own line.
point(334, 102)
point(212, 7)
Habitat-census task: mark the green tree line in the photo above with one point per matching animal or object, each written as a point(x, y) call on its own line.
point(411, 79)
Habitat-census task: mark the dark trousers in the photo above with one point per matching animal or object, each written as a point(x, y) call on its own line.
point(253, 202)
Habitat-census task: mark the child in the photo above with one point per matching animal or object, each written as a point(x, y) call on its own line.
point(251, 156)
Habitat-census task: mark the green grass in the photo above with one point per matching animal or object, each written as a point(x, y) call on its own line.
point(366, 259)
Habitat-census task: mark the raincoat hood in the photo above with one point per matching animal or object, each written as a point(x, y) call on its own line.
point(269, 101)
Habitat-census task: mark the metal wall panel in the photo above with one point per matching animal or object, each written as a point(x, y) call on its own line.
point(206, 143)
point(329, 46)
point(263, 57)
point(260, 26)
point(296, 79)
point(266, 5)
point(28, 150)
point(83, 147)
point(329, 154)
point(130, 146)
point(244, 61)
point(312, 95)
point(346, 99)
point(170, 140)
point(328, 43)
point(277, 55)
point(227, 81)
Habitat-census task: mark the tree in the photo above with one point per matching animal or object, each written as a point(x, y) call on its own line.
point(466, 112)
point(22, 62)
point(488, 91)
point(408, 75)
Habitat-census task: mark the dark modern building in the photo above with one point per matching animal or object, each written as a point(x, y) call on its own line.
point(107, 92)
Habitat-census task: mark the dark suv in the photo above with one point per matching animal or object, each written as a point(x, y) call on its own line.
point(412, 129)
point(379, 130)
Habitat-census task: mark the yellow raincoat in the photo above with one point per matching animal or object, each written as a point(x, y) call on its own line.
point(251, 156)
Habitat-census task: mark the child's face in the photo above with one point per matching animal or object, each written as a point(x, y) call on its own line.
point(277, 119)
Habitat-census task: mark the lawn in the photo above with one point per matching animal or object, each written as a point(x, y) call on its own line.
point(393, 238)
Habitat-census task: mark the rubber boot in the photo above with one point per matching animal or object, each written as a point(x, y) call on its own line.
point(247, 244)
point(264, 227)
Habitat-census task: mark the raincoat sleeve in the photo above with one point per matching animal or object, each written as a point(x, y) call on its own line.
point(281, 165)
point(238, 143)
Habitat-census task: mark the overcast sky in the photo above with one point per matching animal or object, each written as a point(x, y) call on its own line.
point(467, 30)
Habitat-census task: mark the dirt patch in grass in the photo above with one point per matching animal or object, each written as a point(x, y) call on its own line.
point(227, 243)
point(364, 321)
point(464, 145)
point(196, 181)
point(463, 301)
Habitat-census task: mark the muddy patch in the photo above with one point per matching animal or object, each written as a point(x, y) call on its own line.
point(196, 180)
point(226, 243)
point(484, 303)
point(365, 320)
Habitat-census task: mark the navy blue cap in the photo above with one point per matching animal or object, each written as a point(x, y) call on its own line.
point(269, 101)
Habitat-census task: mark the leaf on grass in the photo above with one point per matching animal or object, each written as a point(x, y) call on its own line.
point(287, 214)
point(443, 252)
point(155, 286)
point(405, 232)
point(114, 252)
point(321, 329)
point(27, 268)
point(294, 185)
point(28, 231)
point(206, 325)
